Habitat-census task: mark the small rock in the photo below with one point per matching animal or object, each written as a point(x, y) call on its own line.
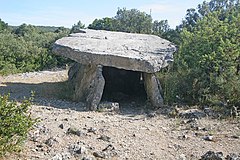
point(65, 119)
point(108, 148)
point(99, 154)
point(51, 141)
point(57, 157)
point(61, 126)
point(233, 156)
point(62, 156)
point(92, 130)
point(192, 113)
point(208, 138)
point(77, 149)
point(208, 111)
point(43, 129)
point(105, 138)
point(235, 137)
point(183, 137)
point(152, 114)
point(88, 158)
point(108, 106)
point(182, 157)
point(75, 132)
point(210, 155)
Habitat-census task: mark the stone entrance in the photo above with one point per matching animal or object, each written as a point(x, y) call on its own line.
point(115, 65)
point(123, 85)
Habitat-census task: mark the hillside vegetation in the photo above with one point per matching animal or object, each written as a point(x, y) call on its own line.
point(28, 48)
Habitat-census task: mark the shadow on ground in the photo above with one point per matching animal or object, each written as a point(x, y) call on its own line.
point(58, 95)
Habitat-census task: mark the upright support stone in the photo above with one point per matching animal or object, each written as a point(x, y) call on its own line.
point(153, 89)
point(88, 84)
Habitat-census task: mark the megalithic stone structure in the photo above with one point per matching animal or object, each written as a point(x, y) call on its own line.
point(95, 49)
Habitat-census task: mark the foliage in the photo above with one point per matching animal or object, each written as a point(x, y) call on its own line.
point(207, 63)
point(28, 48)
point(103, 24)
point(193, 15)
point(15, 122)
point(133, 21)
point(77, 27)
point(3, 25)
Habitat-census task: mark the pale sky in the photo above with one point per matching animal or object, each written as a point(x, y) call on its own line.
point(68, 12)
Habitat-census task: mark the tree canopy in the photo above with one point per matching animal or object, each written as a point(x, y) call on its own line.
point(133, 21)
point(209, 56)
point(28, 48)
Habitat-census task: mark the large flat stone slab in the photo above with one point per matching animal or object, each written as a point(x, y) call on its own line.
point(137, 52)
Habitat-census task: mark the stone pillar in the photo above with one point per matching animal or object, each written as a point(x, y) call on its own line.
point(153, 89)
point(88, 83)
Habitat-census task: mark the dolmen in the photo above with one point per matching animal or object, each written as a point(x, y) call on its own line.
point(114, 62)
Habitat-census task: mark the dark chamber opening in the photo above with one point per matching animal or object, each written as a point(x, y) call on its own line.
point(123, 85)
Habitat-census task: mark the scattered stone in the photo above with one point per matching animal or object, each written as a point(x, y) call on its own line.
point(233, 156)
point(108, 106)
point(61, 126)
point(92, 130)
point(183, 137)
point(88, 158)
point(108, 148)
point(75, 132)
point(235, 137)
point(182, 157)
point(152, 114)
point(62, 156)
point(77, 149)
point(177, 147)
point(42, 129)
point(208, 111)
point(65, 119)
point(105, 138)
point(99, 154)
point(57, 157)
point(210, 155)
point(51, 141)
point(192, 113)
point(208, 138)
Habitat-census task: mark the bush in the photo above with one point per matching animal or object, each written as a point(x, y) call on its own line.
point(15, 122)
point(206, 68)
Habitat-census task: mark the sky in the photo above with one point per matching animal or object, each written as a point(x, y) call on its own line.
point(68, 12)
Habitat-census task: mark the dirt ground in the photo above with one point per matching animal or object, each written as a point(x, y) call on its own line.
point(67, 130)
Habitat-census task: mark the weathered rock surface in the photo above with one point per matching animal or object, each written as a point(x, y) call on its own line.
point(137, 52)
point(88, 84)
point(153, 89)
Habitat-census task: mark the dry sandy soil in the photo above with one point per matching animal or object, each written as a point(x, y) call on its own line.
point(68, 131)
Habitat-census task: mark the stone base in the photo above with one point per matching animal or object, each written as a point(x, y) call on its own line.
point(88, 84)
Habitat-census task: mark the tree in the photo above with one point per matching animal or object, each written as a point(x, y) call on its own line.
point(3, 25)
point(125, 20)
point(160, 27)
point(209, 57)
point(133, 21)
point(103, 24)
point(77, 27)
point(193, 15)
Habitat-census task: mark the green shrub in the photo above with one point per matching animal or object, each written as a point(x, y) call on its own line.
point(15, 122)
